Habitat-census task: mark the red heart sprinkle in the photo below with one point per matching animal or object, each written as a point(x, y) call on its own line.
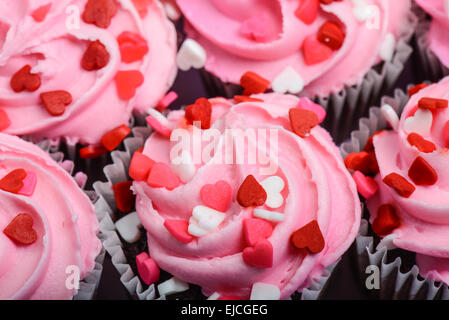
point(96, 56)
point(259, 256)
point(40, 13)
point(99, 12)
point(91, 152)
point(369, 146)
point(179, 230)
point(127, 82)
point(13, 181)
point(113, 138)
point(239, 99)
point(24, 79)
point(422, 173)
point(302, 121)
point(400, 184)
point(309, 236)
point(124, 197)
point(307, 11)
point(56, 101)
point(446, 134)
point(5, 122)
point(217, 196)
point(386, 220)
point(252, 83)
point(251, 193)
point(20, 229)
point(432, 104)
point(364, 162)
point(140, 166)
point(132, 46)
point(415, 89)
point(162, 176)
point(141, 7)
point(200, 111)
point(420, 143)
point(331, 35)
point(255, 230)
point(314, 51)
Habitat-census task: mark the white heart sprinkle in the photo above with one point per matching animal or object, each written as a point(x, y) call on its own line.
point(361, 10)
point(288, 81)
point(265, 291)
point(269, 215)
point(191, 55)
point(172, 11)
point(183, 166)
point(420, 123)
point(387, 47)
point(214, 296)
point(195, 230)
point(208, 219)
point(128, 227)
point(387, 242)
point(273, 187)
point(390, 116)
point(172, 286)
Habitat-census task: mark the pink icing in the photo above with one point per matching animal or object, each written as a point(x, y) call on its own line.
point(216, 26)
point(55, 51)
point(438, 29)
point(66, 227)
point(317, 187)
point(424, 216)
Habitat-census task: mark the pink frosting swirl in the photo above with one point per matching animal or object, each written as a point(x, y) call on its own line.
point(216, 26)
point(66, 227)
point(54, 49)
point(438, 28)
point(424, 220)
point(317, 186)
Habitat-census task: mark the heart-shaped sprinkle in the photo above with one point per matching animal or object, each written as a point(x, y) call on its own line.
point(369, 146)
point(166, 101)
point(191, 55)
point(126, 82)
point(124, 197)
point(147, 268)
point(331, 35)
point(172, 11)
point(422, 173)
point(314, 51)
point(362, 11)
point(95, 57)
point(308, 236)
point(252, 83)
point(20, 229)
point(390, 116)
point(415, 89)
point(399, 184)
point(432, 103)
point(363, 161)
point(129, 227)
point(251, 193)
point(446, 135)
point(387, 47)
point(386, 220)
point(200, 111)
point(133, 47)
point(273, 186)
point(92, 152)
point(302, 121)
point(29, 184)
point(206, 218)
point(161, 176)
point(179, 230)
point(420, 143)
point(307, 11)
point(113, 138)
point(288, 81)
point(99, 12)
point(56, 101)
point(25, 80)
point(256, 28)
point(172, 286)
point(141, 7)
point(366, 186)
point(420, 122)
point(259, 256)
point(140, 166)
point(158, 122)
point(40, 13)
point(255, 230)
point(5, 122)
point(217, 196)
point(307, 104)
point(13, 181)
point(240, 99)
point(269, 215)
point(265, 291)
point(195, 229)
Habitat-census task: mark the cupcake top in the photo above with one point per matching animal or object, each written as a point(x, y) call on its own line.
point(439, 11)
point(253, 193)
point(412, 202)
point(78, 68)
point(44, 245)
point(324, 45)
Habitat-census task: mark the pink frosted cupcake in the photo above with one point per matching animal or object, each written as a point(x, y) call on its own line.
point(77, 69)
point(262, 213)
point(46, 247)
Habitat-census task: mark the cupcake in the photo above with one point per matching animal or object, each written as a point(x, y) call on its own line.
point(46, 246)
point(342, 53)
point(433, 50)
point(79, 68)
point(402, 175)
point(242, 199)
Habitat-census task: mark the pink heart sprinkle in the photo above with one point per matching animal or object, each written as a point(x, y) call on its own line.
point(307, 104)
point(179, 230)
point(147, 268)
point(314, 51)
point(140, 166)
point(255, 230)
point(259, 256)
point(29, 184)
point(366, 186)
point(167, 100)
point(158, 126)
point(256, 28)
point(217, 196)
point(162, 176)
